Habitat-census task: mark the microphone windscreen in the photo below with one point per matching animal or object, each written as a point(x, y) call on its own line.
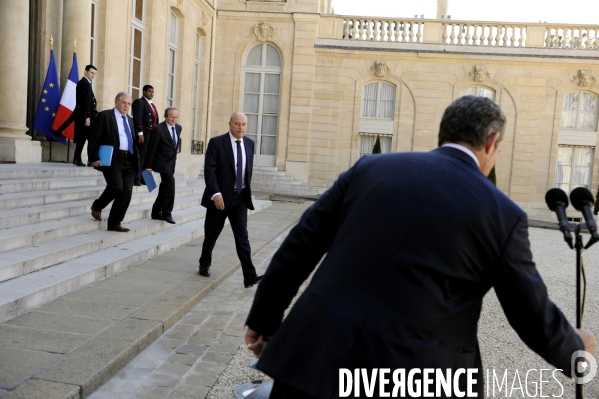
point(579, 196)
point(555, 196)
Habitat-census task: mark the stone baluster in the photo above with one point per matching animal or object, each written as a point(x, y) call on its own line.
point(496, 36)
point(444, 36)
point(548, 38)
point(513, 37)
point(461, 35)
point(413, 28)
point(521, 38)
point(419, 33)
point(387, 31)
point(556, 39)
point(346, 29)
point(468, 35)
point(486, 39)
point(364, 26)
point(585, 44)
point(595, 42)
point(370, 27)
point(404, 34)
point(397, 31)
point(452, 37)
point(475, 37)
point(503, 36)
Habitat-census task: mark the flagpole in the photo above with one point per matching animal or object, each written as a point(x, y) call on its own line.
point(69, 140)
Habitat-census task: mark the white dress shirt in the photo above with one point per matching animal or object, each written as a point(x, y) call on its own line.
point(170, 132)
point(464, 149)
point(243, 160)
point(123, 141)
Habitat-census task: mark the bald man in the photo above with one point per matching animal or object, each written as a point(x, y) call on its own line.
point(228, 173)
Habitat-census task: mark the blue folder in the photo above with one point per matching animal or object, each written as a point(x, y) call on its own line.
point(105, 154)
point(149, 179)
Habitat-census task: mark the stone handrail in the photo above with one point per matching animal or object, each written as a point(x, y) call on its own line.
point(463, 33)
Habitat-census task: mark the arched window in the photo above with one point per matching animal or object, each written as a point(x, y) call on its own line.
point(577, 141)
point(479, 91)
point(378, 109)
point(172, 62)
point(261, 101)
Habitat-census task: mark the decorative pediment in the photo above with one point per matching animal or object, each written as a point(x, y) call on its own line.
point(263, 32)
point(380, 69)
point(584, 78)
point(479, 73)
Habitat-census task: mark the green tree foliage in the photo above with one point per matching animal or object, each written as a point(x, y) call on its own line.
point(377, 146)
point(493, 176)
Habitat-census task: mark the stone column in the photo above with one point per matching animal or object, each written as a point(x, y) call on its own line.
point(76, 25)
point(15, 144)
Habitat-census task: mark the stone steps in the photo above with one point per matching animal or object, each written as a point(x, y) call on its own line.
point(50, 245)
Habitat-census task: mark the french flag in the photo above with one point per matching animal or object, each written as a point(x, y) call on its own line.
point(68, 102)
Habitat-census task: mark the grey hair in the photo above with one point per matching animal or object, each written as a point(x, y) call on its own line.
point(235, 113)
point(121, 95)
point(471, 119)
point(169, 109)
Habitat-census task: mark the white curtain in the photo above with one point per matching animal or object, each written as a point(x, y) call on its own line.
point(367, 144)
point(173, 28)
point(370, 96)
point(479, 91)
point(387, 102)
point(251, 97)
point(588, 112)
point(272, 56)
point(574, 167)
point(255, 56)
point(569, 111)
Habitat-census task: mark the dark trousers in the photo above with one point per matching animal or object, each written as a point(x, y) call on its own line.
point(237, 213)
point(78, 150)
point(119, 187)
point(142, 153)
point(284, 391)
point(165, 201)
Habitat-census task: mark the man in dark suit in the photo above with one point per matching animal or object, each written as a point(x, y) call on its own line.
point(115, 128)
point(85, 112)
point(413, 241)
point(228, 194)
point(161, 157)
point(145, 118)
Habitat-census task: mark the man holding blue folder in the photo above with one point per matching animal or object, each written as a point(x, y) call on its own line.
point(114, 129)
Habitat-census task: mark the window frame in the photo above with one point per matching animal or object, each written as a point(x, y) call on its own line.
point(171, 73)
point(579, 111)
point(378, 100)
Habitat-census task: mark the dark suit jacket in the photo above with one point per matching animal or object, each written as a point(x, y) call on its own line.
point(161, 154)
point(106, 132)
point(413, 242)
point(220, 171)
point(143, 117)
point(85, 108)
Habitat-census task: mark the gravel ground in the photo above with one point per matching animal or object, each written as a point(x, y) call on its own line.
point(502, 350)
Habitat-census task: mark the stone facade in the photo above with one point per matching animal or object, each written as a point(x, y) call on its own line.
point(326, 62)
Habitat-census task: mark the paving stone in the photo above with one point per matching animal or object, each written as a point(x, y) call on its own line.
point(118, 283)
point(194, 350)
point(119, 297)
point(119, 385)
point(223, 348)
point(2, 392)
point(152, 392)
point(180, 358)
point(17, 365)
point(168, 277)
point(208, 368)
point(216, 323)
point(191, 391)
point(231, 340)
point(42, 340)
point(64, 323)
point(162, 380)
point(180, 331)
point(88, 309)
point(36, 389)
point(176, 369)
point(146, 362)
point(216, 358)
point(135, 373)
point(202, 380)
point(235, 331)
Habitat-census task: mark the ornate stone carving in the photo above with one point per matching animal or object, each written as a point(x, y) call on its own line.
point(263, 32)
point(180, 3)
point(584, 78)
point(380, 69)
point(479, 73)
point(204, 20)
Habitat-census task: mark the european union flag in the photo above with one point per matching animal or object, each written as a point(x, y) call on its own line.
point(49, 100)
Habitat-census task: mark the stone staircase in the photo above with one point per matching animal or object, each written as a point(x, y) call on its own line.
point(50, 245)
point(271, 180)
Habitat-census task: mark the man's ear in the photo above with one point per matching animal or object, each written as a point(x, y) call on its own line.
point(491, 142)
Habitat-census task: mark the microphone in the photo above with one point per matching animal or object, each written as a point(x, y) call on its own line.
point(582, 200)
point(557, 201)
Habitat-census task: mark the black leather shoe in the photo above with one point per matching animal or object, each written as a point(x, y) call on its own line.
point(205, 271)
point(118, 228)
point(249, 282)
point(96, 214)
point(169, 219)
point(78, 163)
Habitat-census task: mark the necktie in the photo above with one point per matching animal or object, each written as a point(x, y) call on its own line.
point(154, 114)
point(174, 136)
point(128, 134)
point(239, 184)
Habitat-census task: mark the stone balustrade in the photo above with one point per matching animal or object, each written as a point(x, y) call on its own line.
point(464, 33)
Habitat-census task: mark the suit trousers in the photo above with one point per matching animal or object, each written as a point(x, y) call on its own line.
point(142, 148)
point(86, 130)
point(119, 187)
point(237, 213)
point(165, 201)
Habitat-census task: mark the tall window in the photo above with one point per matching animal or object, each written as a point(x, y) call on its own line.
point(479, 91)
point(172, 62)
point(196, 86)
point(379, 101)
point(367, 141)
point(137, 29)
point(578, 135)
point(94, 37)
point(262, 87)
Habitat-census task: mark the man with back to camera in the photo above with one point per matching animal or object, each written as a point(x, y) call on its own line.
point(115, 128)
point(85, 112)
point(145, 118)
point(161, 157)
point(413, 242)
point(228, 194)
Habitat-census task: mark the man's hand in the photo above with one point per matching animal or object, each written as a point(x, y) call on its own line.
point(97, 164)
point(588, 339)
point(140, 137)
point(88, 121)
point(149, 170)
point(256, 342)
point(218, 202)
